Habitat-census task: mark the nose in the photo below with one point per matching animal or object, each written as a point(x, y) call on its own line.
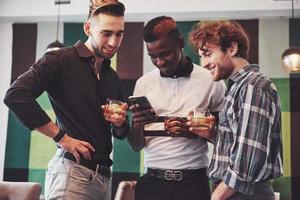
point(204, 62)
point(113, 41)
point(160, 62)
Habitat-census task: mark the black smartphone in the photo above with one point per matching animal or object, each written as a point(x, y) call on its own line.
point(140, 100)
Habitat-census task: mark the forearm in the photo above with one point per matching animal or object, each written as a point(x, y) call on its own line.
point(122, 131)
point(50, 129)
point(222, 192)
point(21, 100)
point(136, 138)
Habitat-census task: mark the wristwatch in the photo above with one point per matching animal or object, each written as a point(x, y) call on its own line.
point(59, 135)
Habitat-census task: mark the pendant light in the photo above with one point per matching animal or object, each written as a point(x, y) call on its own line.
point(290, 58)
point(53, 46)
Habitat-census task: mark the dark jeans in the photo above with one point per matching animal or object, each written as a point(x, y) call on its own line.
point(193, 188)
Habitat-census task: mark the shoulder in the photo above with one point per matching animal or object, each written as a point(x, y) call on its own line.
point(258, 83)
point(200, 72)
point(149, 76)
point(60, 55)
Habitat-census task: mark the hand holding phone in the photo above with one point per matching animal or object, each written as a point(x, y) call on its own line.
point(142, 101)
point(143, 112)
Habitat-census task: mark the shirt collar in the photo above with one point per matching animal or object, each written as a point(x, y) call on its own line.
point(84, 52)
point(243, 72)
point(184, 71)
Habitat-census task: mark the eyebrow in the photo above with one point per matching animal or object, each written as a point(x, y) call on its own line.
point(110, 31)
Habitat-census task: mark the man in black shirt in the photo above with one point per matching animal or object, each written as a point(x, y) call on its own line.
point(78, 81)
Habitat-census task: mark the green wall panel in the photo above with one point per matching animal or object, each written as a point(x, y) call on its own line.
point(41, 151)
point(73, 32)
point(125, 160)
point(17, 144)
point(283, 87)
point(185, 28)
point(42, 148)
point(283, 186)
point(37, 175)
point(44, 102)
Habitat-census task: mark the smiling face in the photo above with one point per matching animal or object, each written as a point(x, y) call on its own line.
point(218, 62)
point(105, 34)
point(165, 54)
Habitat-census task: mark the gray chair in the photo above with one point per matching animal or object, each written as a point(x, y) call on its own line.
point(20, 190)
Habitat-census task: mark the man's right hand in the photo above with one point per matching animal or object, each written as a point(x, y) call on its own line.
point(142, 115)
point(77, 147)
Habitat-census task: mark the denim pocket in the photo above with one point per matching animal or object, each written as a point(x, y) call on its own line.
point(81, 175)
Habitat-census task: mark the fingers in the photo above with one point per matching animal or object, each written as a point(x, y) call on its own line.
point(77, 156)
point(134, 107)
point(77, 148)
point(89, 146)
point(124, 106)
point(143, 117)
point(84, 149)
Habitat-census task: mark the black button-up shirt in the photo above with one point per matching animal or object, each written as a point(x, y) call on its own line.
point(76, 95)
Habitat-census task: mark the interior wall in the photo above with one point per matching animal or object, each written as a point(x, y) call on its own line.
point(31, 163)
point(137, 10)
point(5, 74)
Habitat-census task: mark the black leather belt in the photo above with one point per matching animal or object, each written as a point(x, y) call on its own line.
point(90, 164)
point(176, 175)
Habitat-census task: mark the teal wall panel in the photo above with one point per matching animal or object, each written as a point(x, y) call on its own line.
point(125, 160)
point(17, 144)
point(37, 175)
point(73, 32)
point(44, 102)
point(283, 186)
point(185, 28)
point(283, 87)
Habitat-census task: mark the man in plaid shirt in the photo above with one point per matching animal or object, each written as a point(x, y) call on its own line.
point(247, 152)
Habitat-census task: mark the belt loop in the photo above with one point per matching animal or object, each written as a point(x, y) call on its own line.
point(97, 169)
point(63, 156)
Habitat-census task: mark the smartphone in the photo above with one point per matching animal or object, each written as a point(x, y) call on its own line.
point(140, 100)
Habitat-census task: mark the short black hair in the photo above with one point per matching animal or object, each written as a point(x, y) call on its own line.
point(159, 27)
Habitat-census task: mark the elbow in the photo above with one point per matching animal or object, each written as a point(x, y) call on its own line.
point(136, 148)
point(8, 99)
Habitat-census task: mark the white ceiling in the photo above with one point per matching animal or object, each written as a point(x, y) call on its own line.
point(142, 10)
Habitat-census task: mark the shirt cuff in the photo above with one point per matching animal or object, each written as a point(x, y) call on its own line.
point(32, 123)
point(233, 180)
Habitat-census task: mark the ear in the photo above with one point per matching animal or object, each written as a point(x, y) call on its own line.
point(233, 49)
point(181, 42)
point(87, 27)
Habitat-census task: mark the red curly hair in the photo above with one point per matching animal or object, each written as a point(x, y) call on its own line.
point(221, 33)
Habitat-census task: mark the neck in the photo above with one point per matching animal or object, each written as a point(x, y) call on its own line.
point(239, 63)
point(182, 63)
point(88, 44)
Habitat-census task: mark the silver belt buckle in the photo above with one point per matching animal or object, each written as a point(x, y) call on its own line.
point(173, 175)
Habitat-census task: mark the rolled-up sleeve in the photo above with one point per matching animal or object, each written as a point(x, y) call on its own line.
point(22, 94)
point(254, 114)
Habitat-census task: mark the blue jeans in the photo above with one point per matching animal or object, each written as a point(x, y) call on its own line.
point(67, 180)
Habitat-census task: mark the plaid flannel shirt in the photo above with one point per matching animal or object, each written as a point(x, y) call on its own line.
point(248, 148)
